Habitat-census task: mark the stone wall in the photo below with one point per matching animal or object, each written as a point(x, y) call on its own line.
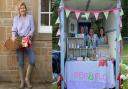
point(42, 44)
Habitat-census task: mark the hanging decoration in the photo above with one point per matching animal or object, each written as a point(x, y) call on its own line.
point(115, 11)
point(67, 12)
point(96, 15)
point(106, 14)
point(120, 21)
point(77, 14)
point(57, 21)
point(95, 12)
point(87, 15)
point(121, 12)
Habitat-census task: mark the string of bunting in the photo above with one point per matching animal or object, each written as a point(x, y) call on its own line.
point(95, 12)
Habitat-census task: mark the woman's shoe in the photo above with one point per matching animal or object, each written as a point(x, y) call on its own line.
point(22, 85)
point(29, 86)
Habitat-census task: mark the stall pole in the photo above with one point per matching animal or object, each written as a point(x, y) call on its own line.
point(62, 36)
point(117, 43)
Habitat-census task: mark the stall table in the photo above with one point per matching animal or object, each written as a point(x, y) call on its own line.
point(89, 75)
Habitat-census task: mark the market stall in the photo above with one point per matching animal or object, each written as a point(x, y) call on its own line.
point(84, 56)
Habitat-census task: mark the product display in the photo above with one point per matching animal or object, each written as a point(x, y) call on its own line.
point(78, 50)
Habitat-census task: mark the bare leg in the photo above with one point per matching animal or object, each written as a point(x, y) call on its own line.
point(28, 76)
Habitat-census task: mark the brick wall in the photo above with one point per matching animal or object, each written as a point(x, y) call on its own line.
point(42, 45)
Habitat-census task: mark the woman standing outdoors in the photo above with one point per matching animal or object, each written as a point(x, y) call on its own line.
point(23, 27)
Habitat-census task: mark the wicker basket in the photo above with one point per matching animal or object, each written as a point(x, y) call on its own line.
point(13, 45)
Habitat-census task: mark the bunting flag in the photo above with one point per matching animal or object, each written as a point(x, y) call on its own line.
point(119, 37)
point(57, 21)
point(115, 11)
point(96, 15)
point(77, 14)
point(87, 15)
point(121, 12)
point(120, 21)
point(95, 12)
point(67, 12)
point(83, 16)
point(106, 14)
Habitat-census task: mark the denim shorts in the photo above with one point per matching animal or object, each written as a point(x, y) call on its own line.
point(21, 53)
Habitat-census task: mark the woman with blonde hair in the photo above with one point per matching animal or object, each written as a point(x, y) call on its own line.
point(23, 27)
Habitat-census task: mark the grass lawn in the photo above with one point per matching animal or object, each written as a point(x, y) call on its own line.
point(54, 86)
point(125, 53)
point(125, 49)
point(125, 61)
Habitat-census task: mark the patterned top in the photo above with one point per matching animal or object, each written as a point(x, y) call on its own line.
point(23, 26)
point(92, 41)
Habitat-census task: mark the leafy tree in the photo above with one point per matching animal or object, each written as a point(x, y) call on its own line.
point(125, 18)
point(55, 6)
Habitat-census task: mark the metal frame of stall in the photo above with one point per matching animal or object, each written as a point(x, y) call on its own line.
point(62, 37)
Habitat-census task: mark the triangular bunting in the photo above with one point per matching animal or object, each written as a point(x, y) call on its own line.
point(121, 12)
point(120, 22)
point(106, 14)
point(87, 15)
point(77, 14)
point(58, 20)
point(83, 16)
point(119, 37)
point(115, 11)
point(96, 15)
point(67, 12)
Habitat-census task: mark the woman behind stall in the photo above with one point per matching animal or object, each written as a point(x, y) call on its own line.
point(92, 43)
point(102, 38)
point(92, 39)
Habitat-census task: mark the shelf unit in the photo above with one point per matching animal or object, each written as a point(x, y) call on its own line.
point(76, 48)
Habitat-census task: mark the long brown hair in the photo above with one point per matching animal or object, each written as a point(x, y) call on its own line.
point(103, 31)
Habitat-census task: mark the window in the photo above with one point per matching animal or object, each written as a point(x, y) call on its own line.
point(44, 19)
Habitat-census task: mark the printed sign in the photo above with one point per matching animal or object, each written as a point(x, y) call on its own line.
point(88, 75)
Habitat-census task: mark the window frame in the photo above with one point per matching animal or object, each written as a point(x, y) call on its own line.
point(46, 28)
